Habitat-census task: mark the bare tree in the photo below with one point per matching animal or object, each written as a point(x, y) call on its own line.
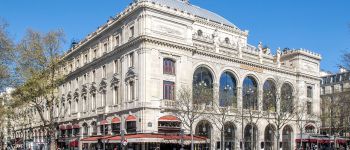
point(224, 112)
point(39, 65)
point(250, 114)
point(190, 106)
point(280, 107)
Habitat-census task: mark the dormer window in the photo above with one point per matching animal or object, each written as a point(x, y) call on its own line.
point(168, 66)
point(200, 33)
point(227, 40)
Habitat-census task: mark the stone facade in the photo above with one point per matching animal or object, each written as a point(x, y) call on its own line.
point(334, 102)
point(118, 70)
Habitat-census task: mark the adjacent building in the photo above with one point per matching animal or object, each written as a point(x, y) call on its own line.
point(335, 103)
point(126, 76)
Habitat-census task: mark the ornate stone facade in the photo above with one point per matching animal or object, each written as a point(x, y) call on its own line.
point(117, 72)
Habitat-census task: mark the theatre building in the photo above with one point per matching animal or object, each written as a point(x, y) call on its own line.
point(124, 78)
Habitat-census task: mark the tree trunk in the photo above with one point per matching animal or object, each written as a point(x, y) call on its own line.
point(222, 147)
point(277, 140)
point(301, 138)
point(191, 132)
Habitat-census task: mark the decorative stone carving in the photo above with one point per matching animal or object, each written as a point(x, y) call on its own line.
point(84, 90)
point(278, 57)
point(103, 86)
point(131, 74)
point(115, 80)
point(93, 88)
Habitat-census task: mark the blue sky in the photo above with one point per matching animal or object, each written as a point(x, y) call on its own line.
point(318, 25)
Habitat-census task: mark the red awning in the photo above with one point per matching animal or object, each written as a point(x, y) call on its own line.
point(130, 118)
point(103, 122)
point(341, 141)
point(76, 126)
point(62, 127)
point(169, 118)
point(116, 120)
point(74, 143)
point(148, 137)
point(69, 127)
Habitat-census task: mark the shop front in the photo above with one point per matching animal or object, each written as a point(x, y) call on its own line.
point(143, 142)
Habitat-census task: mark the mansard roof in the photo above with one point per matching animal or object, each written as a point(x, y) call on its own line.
point(184, 5)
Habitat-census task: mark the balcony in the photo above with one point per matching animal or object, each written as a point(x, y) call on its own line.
point(167, 104)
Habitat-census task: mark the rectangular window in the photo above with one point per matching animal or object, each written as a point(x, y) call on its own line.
point(132, 32)
point(131, 60)
point(84, 79)
point(132, 90)
point(117, 40)
point(116, 67)
point(104, 129)
point(309, 91)
point(78, 63)
point(85, 58)
point(309, 108)
point(93, 76)
point(169, 90)
point(115, 97)
point(71, 67)
point(103, 99)
point(131, 126)
point(94, 54)
point(76, 82)
point(76, 105)
point(115, 128)
point(93, 101)
point(84, 103)
point(103, 71)
point(168, 66)
point(105, 47)
point(70, 86)
point(332, 89)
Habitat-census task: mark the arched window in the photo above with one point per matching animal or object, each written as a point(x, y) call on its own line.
point(230, 134)
point(286, 98)
point(94, 128)
point(228, 90)
point(203, 128)
point(202, 86)
point(310, 129)
point(250, 136)
point(131, 124)
point(200, 33)
point(287, 133)
point(250, 93)
point(85, 129)
point(269, 96)
point(115, 126)
point(227, 40)
point(168, 66)
point(269, 137)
